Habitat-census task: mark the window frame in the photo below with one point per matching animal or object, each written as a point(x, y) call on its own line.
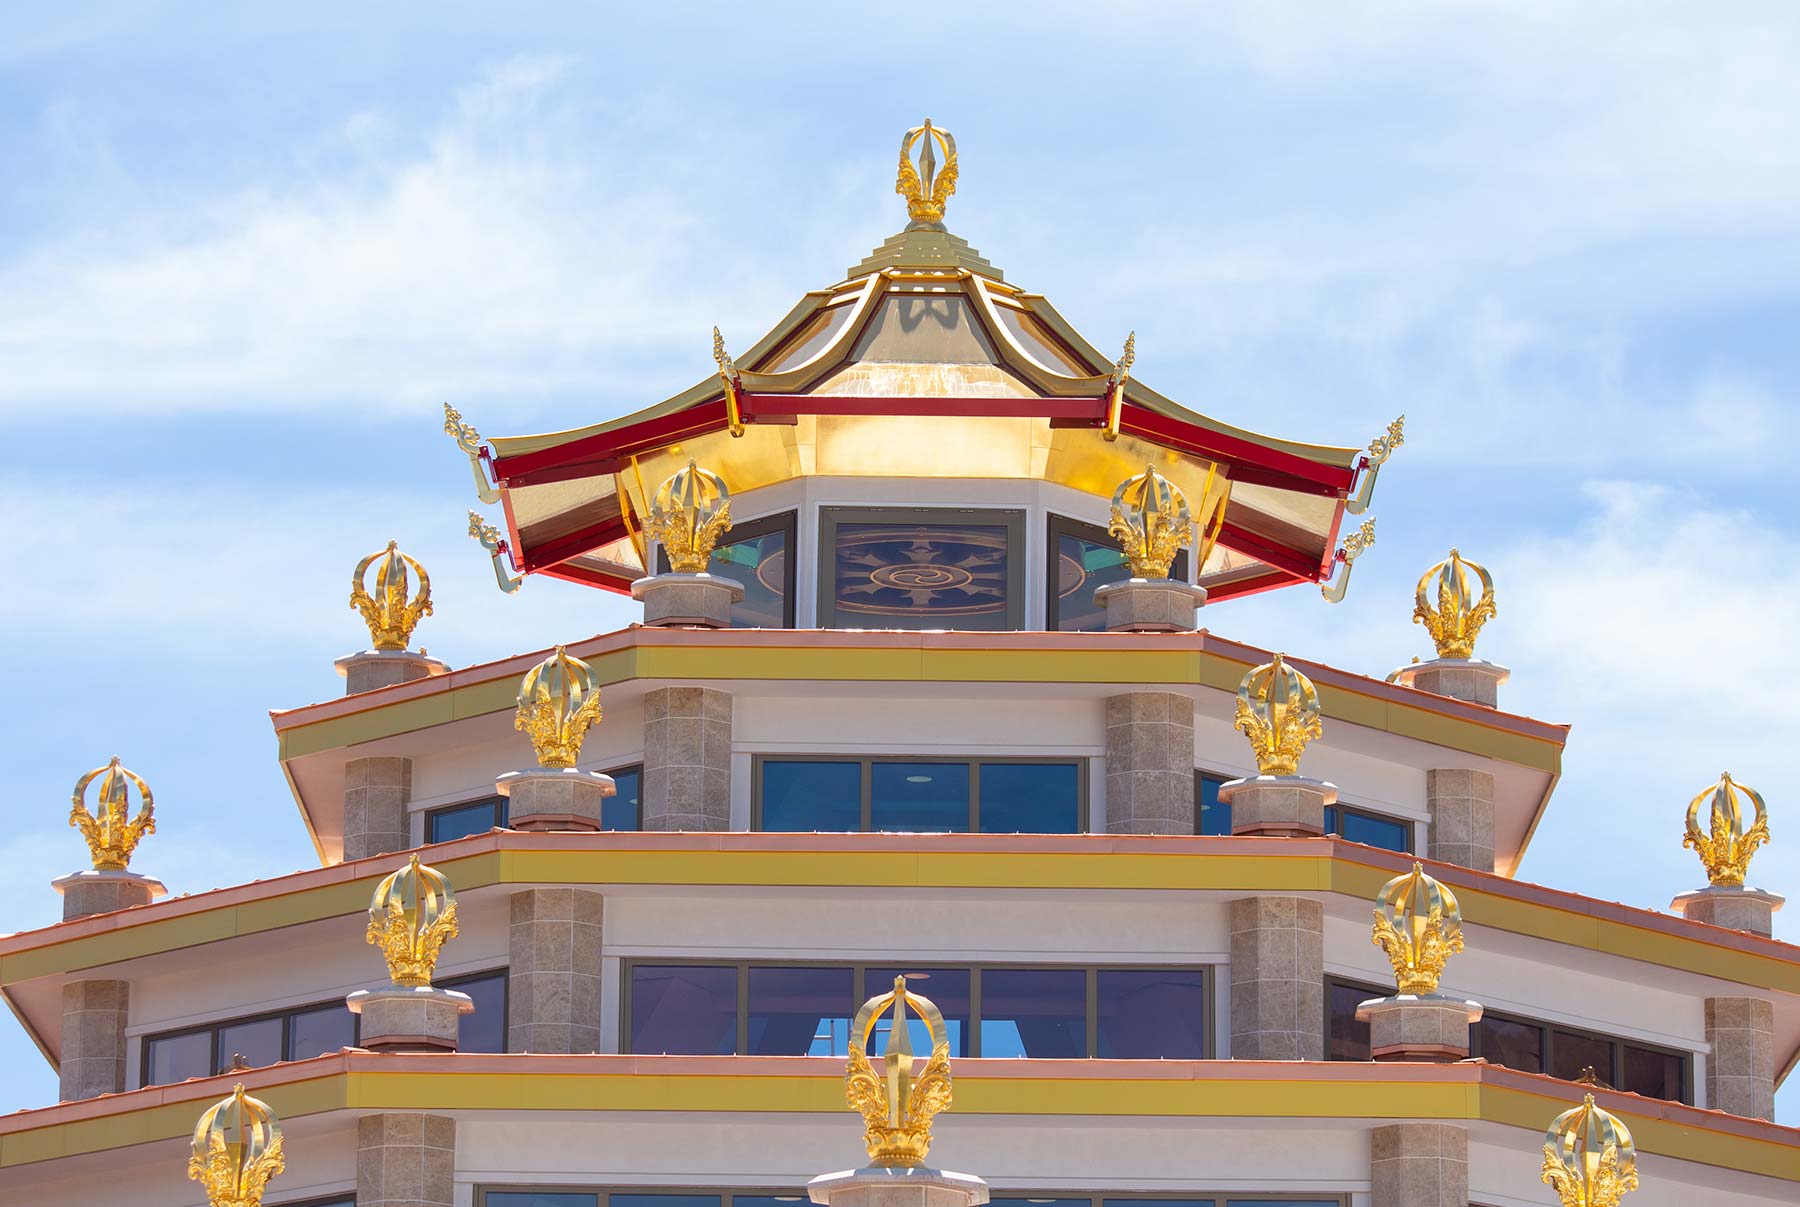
point(505, 973)
point(1012, 519)
point(329, 1200)
point(785, 522)
point(1057, 526)
point(285, 1014)
point(866, 764)
point(500, 805)
point(603, 1193)
point(1341, 810)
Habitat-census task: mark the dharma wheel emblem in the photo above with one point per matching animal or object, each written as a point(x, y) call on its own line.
point(926, 188)
point(897, 1104)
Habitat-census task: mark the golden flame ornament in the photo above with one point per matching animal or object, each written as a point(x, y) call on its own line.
point(1278, 710)
point(1419, 925)
point(391, 619)
point(1727, 846)
point(1589, 1158)
point(237, 1149)
point(1457, 619)
point(411, 916)
point(927, 189)
point(898, 1105)
point(558, 703)
point(690, 512)
point(1150, 519)
point(111, 832)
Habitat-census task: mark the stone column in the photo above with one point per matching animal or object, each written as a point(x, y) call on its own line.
point(1149, 763)
point(888, 1187)
point(676, 600)
point(398, 1018)
point(94, 892)
point(1740, 1073)
point(1735, 907)
point(553, 982)
point(1277, 979)
point(687, 759)
point(93, 1038)
point(1462, 817)
point(1153, 605)
point(376, 793)
point(371, 669)
point(1418, 1165)
point(1467, 679)
point(405, 1160)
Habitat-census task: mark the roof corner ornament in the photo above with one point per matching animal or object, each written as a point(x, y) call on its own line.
point(926, 189)
point(1352, 548)
point(1380, 449)
point(1726, 846)
point(1115, 388)
point(897, 1102)
point(391, 619)
point(469, 441)
point(728, 373)
point(490, 539)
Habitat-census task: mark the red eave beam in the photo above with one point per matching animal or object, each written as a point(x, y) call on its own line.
point(1263, 549)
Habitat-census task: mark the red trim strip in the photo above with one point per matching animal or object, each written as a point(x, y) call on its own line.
point(619, 443)
point(588, 578)
point(562, 548)
point(1217, 446)
point(1262, 548)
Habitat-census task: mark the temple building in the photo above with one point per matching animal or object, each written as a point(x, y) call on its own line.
point(920, 769)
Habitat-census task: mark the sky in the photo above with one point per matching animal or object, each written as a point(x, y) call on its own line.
point(246, 254)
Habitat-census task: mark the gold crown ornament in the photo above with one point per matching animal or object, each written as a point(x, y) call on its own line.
point(1457, 619)
point(1278, 710)
point(1419, 925)
point(1589, 1158)
point(558, 702)
point(111, 832)
point(1726, 847)
point(411, 916)
point(688, 515)
point(1150, 519)
point(236, 1171)
point(926, 188)
point(391, 619)
point(897, 1103)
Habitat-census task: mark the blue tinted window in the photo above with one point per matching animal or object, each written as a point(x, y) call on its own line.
point(316, 1032)
point(1375, 831)
point(484, 1030)
point(460, 821)
point(800, 1011)
point(1085, 559)
point(1163, 1203)
point(622, 810)
point(759, 560)
point(1150, 1014)
point(663, 1200)
point(767, 1200)
point(804, 796)
point(1030, 798)
point(1036, 1012)
point(1283, 1202)
point(1214, 815)
point(259, 1043)
point(685, 1009)
point(914, 797)
point(538, 1198)
point(947, 989)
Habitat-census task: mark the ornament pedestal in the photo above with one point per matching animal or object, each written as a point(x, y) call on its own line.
point(1283, 806)
point(1735, 908)
point(383, 668)
point(1467, 679)
point(878, 1187)
point(695, 601)
point(1150, 605)
point(92, 892)
point(555, 798)
point(1428, 1027)
point(398, 1019)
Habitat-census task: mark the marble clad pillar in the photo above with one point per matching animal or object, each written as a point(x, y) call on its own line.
point(1149, 763)
point(553, 982)
point(405, 1160)
point(371, 669)
point(687, 759)
point(1462, 817)
point(93, 1038)
point(1740, 1073)
point(879, 1187)
point(1419, 1165)
point(1277, 979)
point(376, 794)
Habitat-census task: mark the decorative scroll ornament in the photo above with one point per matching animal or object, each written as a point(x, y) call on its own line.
point(111, 832)
point(391, 619)
point(1727, 849)
point(1589, 1158)
point(469, 441)
point(1150, 519)
point(1380, 449)
point(558, 702)
point(1278, 710)
point(926, 189)
point(235, 1172)
point(1419, 925)
point(1352, 548)
point(411, 916)
point(690, 512)
point(490, 539)
point(898, 1105)
point(728, 373)
point(1115, 388)
point(1457, 619)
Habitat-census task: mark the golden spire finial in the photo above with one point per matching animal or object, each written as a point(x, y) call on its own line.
point(898, 1105)
point(1278, 710)
point(391, 619)
point(236, 1171)
point(1726, 847)
point(691, 511)
point(1419, 925)
point(1457, 619)
point(927, 189)
point(1589, 1158)
point(111, 832)
point(1150, 519)
point(558, 702)
point(411, 916)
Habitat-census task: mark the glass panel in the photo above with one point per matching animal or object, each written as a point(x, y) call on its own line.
point(1215, 814)
point(1331, 819)
point(1036, 1012)
point(1283, 1202)
point(484, 1030)
point(1039, 344)
point(1082, 567)
point(1651, 1073)
point(760, 562)
point(923, 329)
point(948, 989)
point(325, 1029)
point(1150, 1014)
point(1345, 1038)
point(1044, 1202)
point(460, 821)
point(539, 1198)
point(1570, 1053)
point(800, 1011)
point(687, 1009)
point(179, 1057)
point(767, 1200)
point(259, 1043)
point(922, 576)
point(1030, 798)
point(1159, 1202)
point(621, 811)
point(1377, 831)
point(807, 796)
point(819, 331)
point(919, 798)
point(663, 1200)
point(1516, 1045)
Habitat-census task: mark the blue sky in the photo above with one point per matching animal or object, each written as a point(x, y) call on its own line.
point(245, 256)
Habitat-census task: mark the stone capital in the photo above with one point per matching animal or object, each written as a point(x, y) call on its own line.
point(95, 892)
point(1150, 605)
point(369, 669)
point(1467, 679)
point(701, 601)
point(918, 1187)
